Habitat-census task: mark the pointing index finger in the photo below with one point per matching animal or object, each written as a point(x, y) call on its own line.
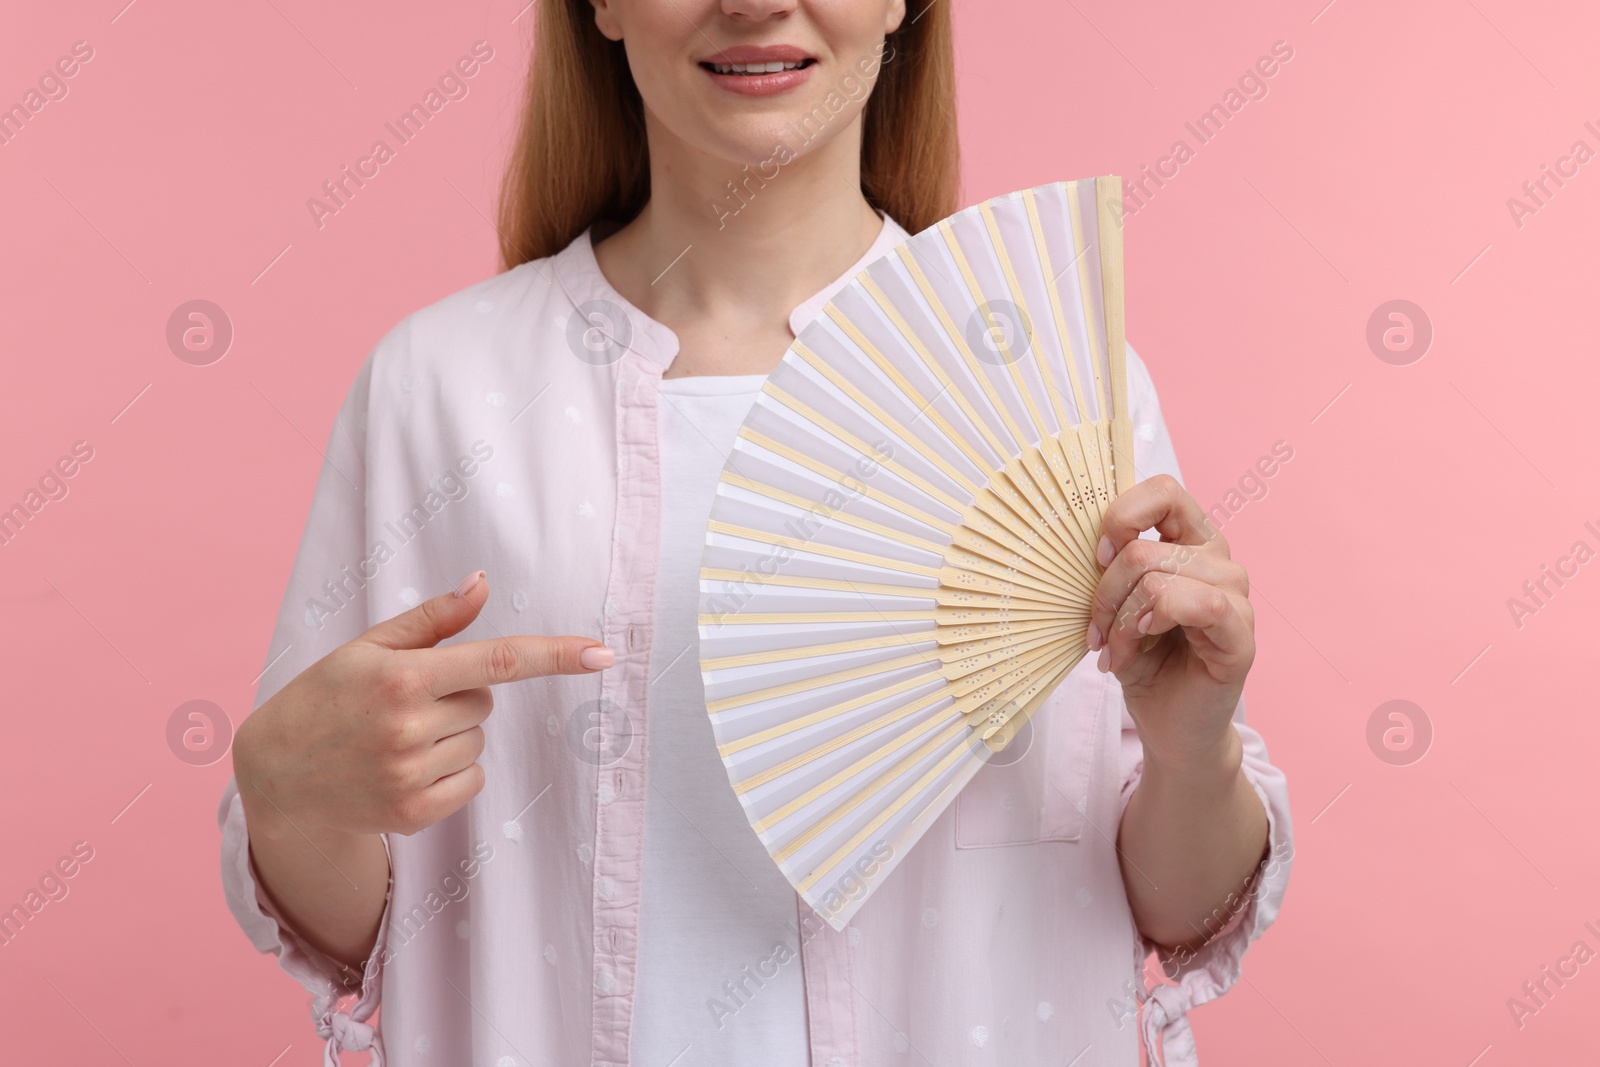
point(495, 661)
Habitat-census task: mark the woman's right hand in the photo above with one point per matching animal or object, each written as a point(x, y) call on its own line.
point(382, 734)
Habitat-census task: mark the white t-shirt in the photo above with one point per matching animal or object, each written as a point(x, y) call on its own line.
point(719, 979)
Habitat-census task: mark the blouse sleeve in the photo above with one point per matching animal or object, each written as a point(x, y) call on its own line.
point(1195, 977)
point(322, 608)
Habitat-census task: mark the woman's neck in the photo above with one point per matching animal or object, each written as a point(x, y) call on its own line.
point(724, 268)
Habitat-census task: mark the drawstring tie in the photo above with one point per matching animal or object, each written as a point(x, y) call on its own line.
point(1165, 1020)
point(349, 1035)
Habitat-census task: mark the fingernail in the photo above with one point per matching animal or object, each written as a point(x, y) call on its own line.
point(1103, 553)
point(597, 657)
point(1094, 636)
point(1145, 620)
point(467, 584)
point(1104, 662)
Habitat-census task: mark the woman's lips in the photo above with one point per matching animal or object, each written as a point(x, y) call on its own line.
point(764, 84)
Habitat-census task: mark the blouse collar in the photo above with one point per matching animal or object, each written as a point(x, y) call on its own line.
point(577, 271)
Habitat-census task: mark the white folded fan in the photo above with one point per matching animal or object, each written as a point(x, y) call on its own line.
point(901, 553)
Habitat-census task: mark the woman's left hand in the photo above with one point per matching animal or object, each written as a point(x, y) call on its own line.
point(1183, 691)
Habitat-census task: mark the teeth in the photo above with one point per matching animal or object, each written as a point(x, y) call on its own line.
point(753, 68)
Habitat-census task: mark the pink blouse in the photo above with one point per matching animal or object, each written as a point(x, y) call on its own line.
point(512, 426)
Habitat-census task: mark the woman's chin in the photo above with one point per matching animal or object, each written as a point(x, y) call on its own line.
point(765, 144)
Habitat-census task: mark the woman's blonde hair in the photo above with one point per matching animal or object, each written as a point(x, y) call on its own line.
point(580, 153)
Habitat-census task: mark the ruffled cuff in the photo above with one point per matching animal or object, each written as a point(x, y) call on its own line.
point(1197, 976)
point(327, 980)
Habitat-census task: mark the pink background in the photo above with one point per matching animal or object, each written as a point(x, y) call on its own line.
point(1377, 167)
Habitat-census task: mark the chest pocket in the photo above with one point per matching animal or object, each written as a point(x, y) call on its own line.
point(1043, 794)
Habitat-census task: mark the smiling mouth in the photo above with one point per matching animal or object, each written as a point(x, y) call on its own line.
point(752, 70)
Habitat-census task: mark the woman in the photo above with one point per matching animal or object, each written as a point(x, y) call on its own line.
point(572, 880)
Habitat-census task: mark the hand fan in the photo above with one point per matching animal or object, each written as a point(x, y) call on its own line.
point(901, 552)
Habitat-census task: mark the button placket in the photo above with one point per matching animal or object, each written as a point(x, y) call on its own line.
point(619, 815)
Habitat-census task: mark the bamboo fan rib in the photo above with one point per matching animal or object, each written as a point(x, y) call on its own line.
point(901, 554)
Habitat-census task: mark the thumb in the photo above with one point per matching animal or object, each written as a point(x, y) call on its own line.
point(433, 620)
